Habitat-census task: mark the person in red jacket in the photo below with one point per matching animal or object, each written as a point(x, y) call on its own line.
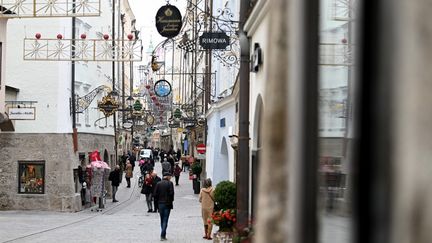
point(177, 171)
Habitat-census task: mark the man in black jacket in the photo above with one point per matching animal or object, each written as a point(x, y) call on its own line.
point(164, 192)
point(156, 179)
point(114, 177)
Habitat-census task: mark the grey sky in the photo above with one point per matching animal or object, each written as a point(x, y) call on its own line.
point(145, 12)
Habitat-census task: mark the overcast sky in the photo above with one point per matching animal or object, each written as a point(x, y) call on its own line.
point(145, 13)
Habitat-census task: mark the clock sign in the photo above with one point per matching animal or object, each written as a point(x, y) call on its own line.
point(162, 88)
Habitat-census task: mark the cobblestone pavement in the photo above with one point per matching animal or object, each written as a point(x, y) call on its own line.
point(128, 221)
point(125, 221)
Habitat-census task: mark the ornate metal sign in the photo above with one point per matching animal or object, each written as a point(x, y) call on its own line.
point(214, 40)
point(85, 50)
point(168, 21)
point(162, 88)
point(150, 120)
point(49, 8)
point(108, 105)
point(82, 103)
point(222, 21)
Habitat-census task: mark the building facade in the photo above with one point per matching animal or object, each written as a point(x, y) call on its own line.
point(42, 158)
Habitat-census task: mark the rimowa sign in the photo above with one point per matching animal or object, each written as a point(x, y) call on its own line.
point(214, 40)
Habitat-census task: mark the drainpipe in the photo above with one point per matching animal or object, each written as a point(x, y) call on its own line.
point(113, 80)
point(73, 98)
point(242, 166)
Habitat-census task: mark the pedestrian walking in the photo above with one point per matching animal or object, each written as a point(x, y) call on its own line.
point(123, 160)
point(172, 162)
point(129, 173)
point(147, 190)
point(206, 198)
point(177, 172)
point(166, 166)
point(178, 154)
point(164, 192)
point(156, 179)
point(114, 177)
point(132, 159)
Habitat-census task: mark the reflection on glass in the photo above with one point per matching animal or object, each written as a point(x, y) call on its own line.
point(32, 177)
point(335, 120)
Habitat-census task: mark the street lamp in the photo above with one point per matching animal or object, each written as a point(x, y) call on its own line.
point(114, 94)
point(129, 102)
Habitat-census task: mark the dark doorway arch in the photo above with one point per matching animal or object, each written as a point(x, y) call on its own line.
point(256, 151)
point(106, 156)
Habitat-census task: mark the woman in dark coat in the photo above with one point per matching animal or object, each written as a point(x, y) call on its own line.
point(147, 190)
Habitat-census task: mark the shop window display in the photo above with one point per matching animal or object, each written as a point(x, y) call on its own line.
point(31, 177)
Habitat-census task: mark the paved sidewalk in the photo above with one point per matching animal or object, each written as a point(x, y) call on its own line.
point(125, 221)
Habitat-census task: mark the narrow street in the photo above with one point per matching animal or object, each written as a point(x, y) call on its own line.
point(125, 221)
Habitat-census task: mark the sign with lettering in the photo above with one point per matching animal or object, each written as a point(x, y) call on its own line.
point(214, 40)
point(108, 105)
point(18, 113)
point(168, 21)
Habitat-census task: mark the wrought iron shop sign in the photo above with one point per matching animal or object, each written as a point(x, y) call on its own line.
point(214, 40)
point(51, 8)
point(108, 105)
point(162, 88)
point(168, 21)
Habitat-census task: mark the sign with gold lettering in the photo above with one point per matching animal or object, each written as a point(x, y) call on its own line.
point(168, 21)
point(108, 105)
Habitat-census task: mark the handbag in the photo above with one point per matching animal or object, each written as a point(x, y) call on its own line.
point(215, 204)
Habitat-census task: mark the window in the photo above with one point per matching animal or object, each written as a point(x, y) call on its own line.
point(31, 176)
point(87, 117)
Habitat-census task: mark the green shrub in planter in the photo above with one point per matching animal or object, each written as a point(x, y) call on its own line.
point(226, 195)
point(196, 168)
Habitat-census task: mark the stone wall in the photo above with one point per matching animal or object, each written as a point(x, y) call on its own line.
point(60, 160)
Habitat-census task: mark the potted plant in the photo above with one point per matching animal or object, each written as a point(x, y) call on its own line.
point(225, 219)
point(224, 216)
point(196, 171)
point(226, 195)
point(196, 168)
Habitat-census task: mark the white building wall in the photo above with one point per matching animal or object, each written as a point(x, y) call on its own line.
point(258, 32)
point(225, 75)
point(3, 25)
point(49, 82)
point(220, 154)
point(42, 81)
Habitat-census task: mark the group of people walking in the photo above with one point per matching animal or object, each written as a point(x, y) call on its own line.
point(159, 192)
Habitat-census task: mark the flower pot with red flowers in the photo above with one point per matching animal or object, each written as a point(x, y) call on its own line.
point(225, 219)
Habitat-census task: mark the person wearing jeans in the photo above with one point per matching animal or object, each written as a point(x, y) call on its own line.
point(164, 193)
